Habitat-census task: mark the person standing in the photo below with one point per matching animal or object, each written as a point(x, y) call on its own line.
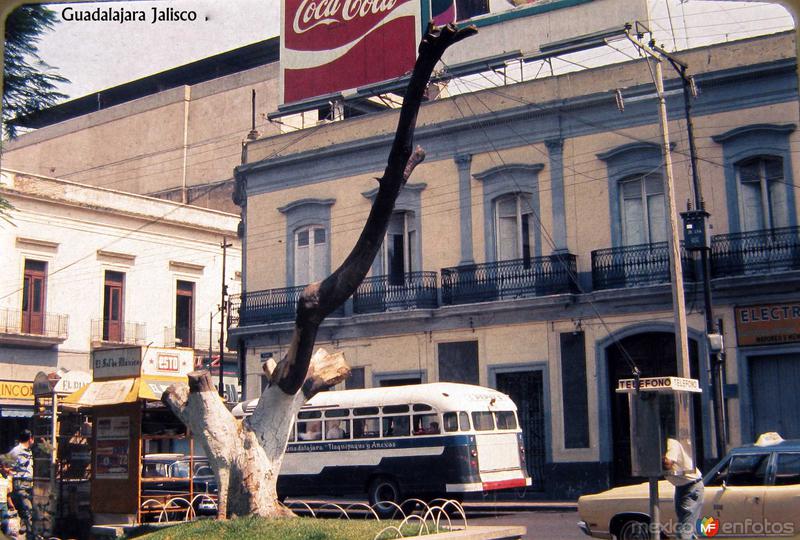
point(6, 487)
point(688, 482)
point(22, 472)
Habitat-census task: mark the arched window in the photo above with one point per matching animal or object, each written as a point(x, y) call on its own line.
point(762, 202)
point(514, 227)
point(642, 209)
point(310, 254)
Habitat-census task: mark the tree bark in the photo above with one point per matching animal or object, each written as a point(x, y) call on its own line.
point(246, 457)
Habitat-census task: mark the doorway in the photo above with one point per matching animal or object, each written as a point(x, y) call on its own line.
point(526, 390)
point(654, 355)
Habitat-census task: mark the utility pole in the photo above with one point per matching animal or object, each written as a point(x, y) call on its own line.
point(699, 216)
point(676, 267)
point(225, 245)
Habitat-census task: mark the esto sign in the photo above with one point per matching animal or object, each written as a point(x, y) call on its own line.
point(334, 45)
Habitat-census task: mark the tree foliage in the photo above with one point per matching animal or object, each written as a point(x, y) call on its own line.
point(29, 84)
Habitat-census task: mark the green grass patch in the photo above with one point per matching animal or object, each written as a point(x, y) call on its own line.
point(300, 528)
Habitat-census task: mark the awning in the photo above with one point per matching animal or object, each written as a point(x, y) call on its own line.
point(15, 412)
point(121, 391)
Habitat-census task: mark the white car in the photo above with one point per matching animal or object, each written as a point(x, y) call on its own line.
point(754, 491)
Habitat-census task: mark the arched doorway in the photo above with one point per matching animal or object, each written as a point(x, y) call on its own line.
point(654, 354)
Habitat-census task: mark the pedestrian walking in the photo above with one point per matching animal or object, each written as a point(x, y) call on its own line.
point(22, 473)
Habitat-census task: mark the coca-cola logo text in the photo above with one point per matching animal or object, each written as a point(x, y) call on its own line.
point(313, 13)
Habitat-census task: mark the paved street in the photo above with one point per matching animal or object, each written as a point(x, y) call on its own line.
point(542, 525)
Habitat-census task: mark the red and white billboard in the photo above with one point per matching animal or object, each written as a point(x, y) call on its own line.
point(336, 45)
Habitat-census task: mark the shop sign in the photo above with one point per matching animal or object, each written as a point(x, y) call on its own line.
point(116, 363)
point(167, 362)
point(767, 324)
point(16, 390)
point(107, 392)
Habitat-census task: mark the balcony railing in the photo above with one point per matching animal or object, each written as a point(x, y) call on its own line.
point(518, 278)
point(632, 266)
point(756, 252)
point(267, 306)
point(51, 326)
point(414, 290)
point(131, 333)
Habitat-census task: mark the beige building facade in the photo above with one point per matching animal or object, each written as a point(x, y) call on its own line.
point(528, 252)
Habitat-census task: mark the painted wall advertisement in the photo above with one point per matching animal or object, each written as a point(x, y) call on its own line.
point(112, 447)
point(768, 324)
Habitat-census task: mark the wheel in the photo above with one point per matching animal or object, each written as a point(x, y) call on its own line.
point(634, 530)
point(381, 490)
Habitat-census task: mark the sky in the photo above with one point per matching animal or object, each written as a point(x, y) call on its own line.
point(97, 55)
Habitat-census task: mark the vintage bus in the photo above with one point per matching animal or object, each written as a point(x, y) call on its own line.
point(395, 443)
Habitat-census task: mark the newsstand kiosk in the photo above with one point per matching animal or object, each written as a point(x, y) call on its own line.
point(660, 418)
point(124, 404)
point(60, 456)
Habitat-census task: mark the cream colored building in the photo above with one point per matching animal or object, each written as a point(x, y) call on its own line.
point(86, 268)
point(527, 252)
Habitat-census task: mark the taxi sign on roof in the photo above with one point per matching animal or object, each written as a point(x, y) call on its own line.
point(659, 384)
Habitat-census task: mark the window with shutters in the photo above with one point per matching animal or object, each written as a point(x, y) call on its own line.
point(310, 254)
point(642, 205)
point(763, 199)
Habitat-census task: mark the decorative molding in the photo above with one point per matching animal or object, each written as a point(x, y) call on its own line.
point(304, 202)
point(409, 188)
point(37, 245)
point(782, 129)
point(178, 266)
point(115, 257)
point(509, 168)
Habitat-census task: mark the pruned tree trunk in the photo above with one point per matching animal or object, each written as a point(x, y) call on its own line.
point(246, 457)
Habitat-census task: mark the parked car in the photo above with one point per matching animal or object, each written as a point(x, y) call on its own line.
point(753, 491)
point(165, 477)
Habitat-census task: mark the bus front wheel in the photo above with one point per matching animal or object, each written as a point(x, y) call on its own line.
point(383, 491)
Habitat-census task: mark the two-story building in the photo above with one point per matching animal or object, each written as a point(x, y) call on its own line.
point(86, 268)
point(528, 252)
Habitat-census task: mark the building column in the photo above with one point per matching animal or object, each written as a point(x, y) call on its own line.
point(555, 150)
point(463, 162)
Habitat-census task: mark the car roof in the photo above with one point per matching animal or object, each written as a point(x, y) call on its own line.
point(173, 457)
point(786, 445)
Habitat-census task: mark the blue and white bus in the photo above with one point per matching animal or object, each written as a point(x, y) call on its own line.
point(394, 443)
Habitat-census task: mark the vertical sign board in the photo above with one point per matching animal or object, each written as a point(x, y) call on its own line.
point(335, 45)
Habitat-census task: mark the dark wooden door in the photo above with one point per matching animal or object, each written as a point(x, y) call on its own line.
point(33, 297)
point(113, 322)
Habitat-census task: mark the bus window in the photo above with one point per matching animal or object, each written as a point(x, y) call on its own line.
point(394, 409)
point(366, 428)
point(293, 432)
point(365, 411)
point(426, 424)
point(482, 420)
point(309, 431)
point(305, 415)
point(418, 407)
point(396, 426)
point(463, 419)
point(450, 420)
point(337, 413)
point(337, 429)
point(505, 420)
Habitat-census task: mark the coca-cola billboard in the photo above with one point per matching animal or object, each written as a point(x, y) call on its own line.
point(334, 45)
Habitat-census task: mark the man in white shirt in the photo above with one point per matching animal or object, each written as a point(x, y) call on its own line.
point(680, 471)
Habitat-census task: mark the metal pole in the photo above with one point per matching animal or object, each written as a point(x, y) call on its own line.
point(210, 337)
point(53, 506)
point(225, 245)
point(655, 509)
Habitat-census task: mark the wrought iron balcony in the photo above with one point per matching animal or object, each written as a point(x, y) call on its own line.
point(114, 332)
point(414, 290)
point(32, 329)
point(755, 252)
point(267, 306)
point(518, 278)
point(634, 266)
